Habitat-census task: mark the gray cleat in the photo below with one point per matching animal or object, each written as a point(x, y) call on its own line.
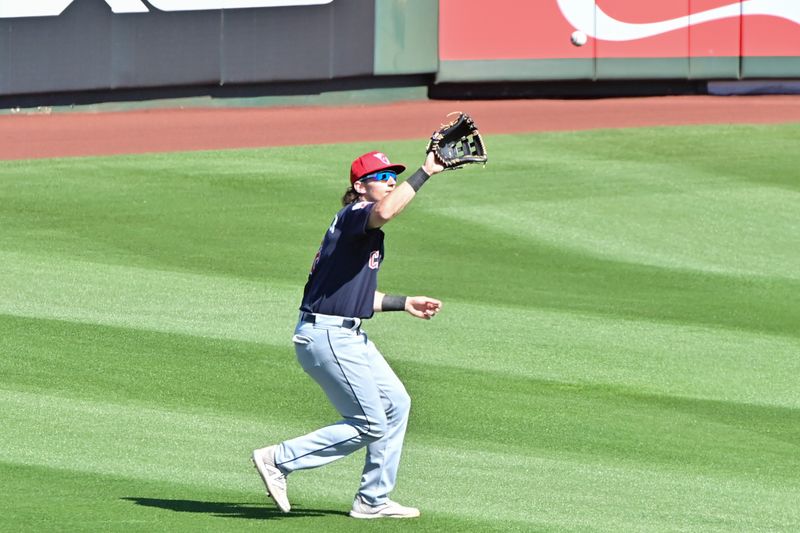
point(273, 478)
point(388, 509)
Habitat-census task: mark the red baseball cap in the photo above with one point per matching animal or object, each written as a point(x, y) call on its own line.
point(372, 162)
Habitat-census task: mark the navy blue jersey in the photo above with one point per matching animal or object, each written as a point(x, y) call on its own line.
point(344, 275)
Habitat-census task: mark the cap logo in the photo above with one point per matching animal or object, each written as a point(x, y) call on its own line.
point(382, 158)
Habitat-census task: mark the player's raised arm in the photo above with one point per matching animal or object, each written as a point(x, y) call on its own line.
point(391, 198)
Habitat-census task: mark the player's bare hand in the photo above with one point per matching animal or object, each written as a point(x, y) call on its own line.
point(423, 306)
point(432, 164)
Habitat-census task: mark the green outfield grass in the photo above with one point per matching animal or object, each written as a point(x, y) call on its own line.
point(619, 348)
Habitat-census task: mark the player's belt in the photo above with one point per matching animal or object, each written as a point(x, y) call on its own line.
point(330, 320)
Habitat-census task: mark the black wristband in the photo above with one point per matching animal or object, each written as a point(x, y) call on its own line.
point(417, 179)
point(393, 302)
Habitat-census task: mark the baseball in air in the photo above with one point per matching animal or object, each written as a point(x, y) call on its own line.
point(578, 38)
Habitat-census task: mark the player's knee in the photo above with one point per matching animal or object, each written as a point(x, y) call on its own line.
point(377, 427)
point(372, 427)
point(401, 405)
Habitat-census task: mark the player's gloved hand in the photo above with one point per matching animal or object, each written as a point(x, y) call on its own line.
point(458, 143)
point(423, 306)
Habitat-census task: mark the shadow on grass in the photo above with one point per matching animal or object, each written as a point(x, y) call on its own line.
point(230, 510)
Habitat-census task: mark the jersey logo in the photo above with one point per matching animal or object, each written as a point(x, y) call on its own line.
point(359, 205)
point(375, 260)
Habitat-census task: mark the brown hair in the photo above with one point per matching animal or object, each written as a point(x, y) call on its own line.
point(350, 196)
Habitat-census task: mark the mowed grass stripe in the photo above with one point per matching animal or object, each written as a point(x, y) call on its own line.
point(146, 298)
point(539, 419)
point(140, 505)
point(222, 307)
point(194, 449)
point(207, 231)
point(152, 445)
point(236, 213)
point(226, 308)
point(185, 373)
point(520, 272)
point(710, 227)
point(668, 358)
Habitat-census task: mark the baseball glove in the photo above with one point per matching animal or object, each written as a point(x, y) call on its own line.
point(458, 143)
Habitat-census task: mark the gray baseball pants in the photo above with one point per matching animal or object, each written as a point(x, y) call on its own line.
point(372, 400)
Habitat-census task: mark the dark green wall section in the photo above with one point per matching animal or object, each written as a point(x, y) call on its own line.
point(516, 70)
point(406, 37)
point(681, 68)
point(600, 69)
point(771, 67)
point(642, 68)
point(714, 68)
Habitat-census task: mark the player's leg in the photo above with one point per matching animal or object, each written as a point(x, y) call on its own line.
point(383, 455)
point(337, 359)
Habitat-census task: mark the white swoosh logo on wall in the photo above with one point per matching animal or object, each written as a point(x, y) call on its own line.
point(585, 16)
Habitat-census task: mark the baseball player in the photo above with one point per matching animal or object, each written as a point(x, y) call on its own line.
point(333, 349)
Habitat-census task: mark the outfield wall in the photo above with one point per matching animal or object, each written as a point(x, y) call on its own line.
point(628, 39)
point(62, 45)
point(69, 46)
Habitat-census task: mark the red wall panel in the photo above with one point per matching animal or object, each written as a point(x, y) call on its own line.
point(770, 36)
point(713, 36)
point(719, 38)
point(712, 32)
point(504, 29)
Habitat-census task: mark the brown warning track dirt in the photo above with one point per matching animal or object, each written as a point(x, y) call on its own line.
point(166, 130)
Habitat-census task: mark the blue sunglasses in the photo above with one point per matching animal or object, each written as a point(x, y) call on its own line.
point(385, 175)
